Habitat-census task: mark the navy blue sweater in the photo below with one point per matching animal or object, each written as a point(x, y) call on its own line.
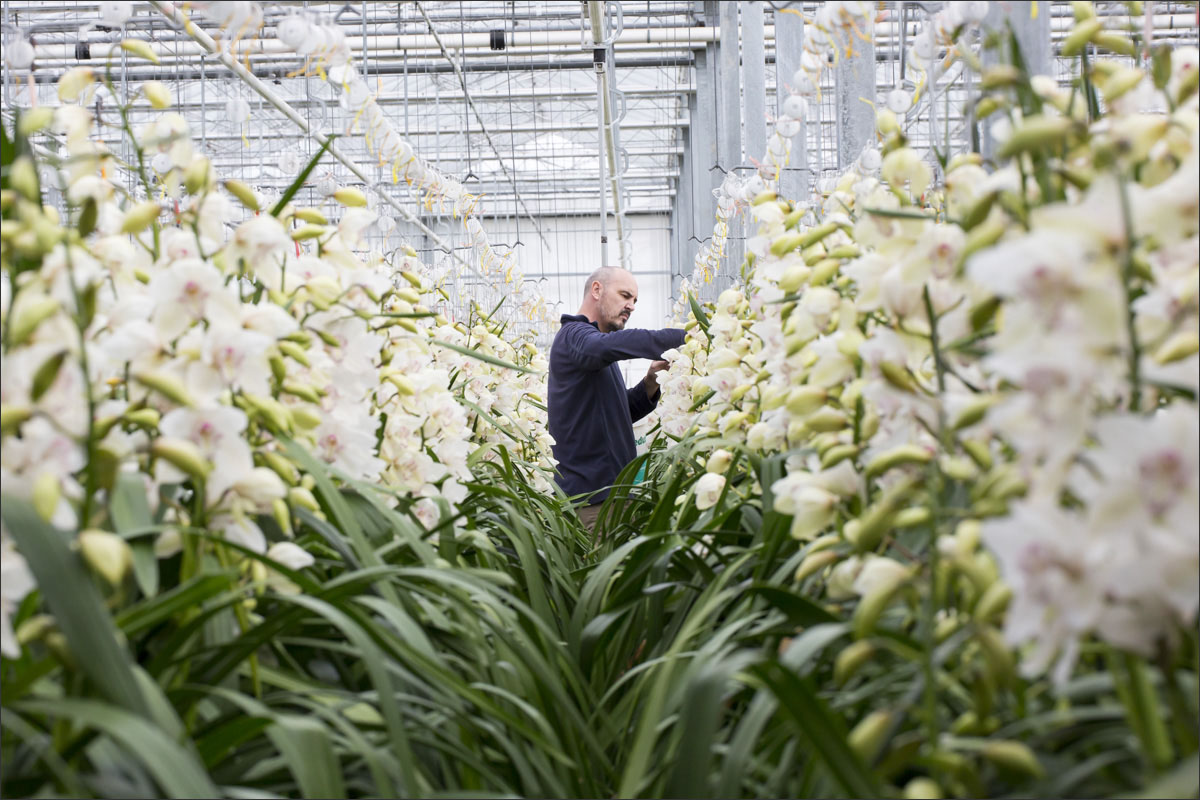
point(591, 412)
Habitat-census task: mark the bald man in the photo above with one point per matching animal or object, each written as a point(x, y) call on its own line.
point(591, 411)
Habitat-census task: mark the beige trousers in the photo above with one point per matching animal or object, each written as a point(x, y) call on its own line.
point(588, 515)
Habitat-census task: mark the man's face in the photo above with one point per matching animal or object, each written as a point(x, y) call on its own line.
point(617, 300)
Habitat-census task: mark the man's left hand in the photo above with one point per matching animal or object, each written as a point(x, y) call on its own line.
point(650, 381)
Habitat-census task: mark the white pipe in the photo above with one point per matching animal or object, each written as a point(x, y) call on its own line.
point(204, 40)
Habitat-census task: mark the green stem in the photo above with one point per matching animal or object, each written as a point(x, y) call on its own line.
point(1155, 740)
point(936, 485)
point(1127, 275)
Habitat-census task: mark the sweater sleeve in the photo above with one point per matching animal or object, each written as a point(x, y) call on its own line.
point(640, 403)
point(593, 350)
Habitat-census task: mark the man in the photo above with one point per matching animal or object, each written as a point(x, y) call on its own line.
point(591, 412)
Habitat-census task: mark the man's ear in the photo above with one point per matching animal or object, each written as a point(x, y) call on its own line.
point(596, 290)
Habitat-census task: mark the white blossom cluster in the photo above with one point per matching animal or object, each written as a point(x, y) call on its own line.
point(162, 342)
point(1061, 395)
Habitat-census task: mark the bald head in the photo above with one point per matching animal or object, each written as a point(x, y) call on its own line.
point(609, 298)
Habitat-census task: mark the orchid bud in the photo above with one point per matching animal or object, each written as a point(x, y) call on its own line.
point(73, 82)
point(243, 193)
point(300, 496)
point(311, 215)
point(198, 175)
point(165, 384)
point(837, 454)
point(147, 418)
point(47, 491)
point(106, 553)
point(922, 788)
point(183, 454)
point(12, 416)
point(870, 734)
point(24, 179)
point(850, 659)
point(815, 562)
point(140, 49)
point(1013, 755)
point(29, 314)
point(803, 400)
point(898, 456)
point(350, 197)
point(35, 119)
point(157, 93)
point(305, 418)
point(138, 218)
point(282, 516)
point(719, 461)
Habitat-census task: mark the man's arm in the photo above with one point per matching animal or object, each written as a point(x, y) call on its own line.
point(643, 396)
point(594, 350)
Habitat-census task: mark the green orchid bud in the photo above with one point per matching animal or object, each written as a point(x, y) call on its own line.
point(826, 419)
point(850, 659)
point(140, 49)
point(107, 553)
point(183, 454)
point(198, 175)
point(816, 234)
point(73, 82)
point(350, 197)
point(814, 562)
point(305, 417)
point(157, 93)
point(824, 271)
point(140, 217)
point(869, 736)
point(34, 120)
point(803, 400)
point(11, 417)
point(837, 454)
point(922, 789)
point(294, 352)
point(308, 232)
point(282, 516)
point(786, 243)
point(47, 490)
point(165, 384)
point(301, 496)
point(1014, 756)
point(992, 603)
point(147, 418)
point(23, 178)
point(897, 456)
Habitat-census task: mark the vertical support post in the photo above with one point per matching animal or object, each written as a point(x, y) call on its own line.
point(602, 157)
point(1030, 24)
point(855, 85)
point(789, 40)
point(729, 111)
point(754, 78)
point(702, 111)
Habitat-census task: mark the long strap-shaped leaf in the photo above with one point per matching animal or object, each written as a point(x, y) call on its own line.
point(77, 606)
point(178, 772)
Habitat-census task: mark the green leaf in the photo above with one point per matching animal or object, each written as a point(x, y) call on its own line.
point(825, 731)
point(77, 606)
point(467, 351)
point(290, 192)
point(800, 610)
point(178, 772)
point(44, 377)
point(306, 747)
point(87, 217)
point(698, 312)
point(130, 512)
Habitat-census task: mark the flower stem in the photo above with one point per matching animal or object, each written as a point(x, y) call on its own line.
point(1127, 276)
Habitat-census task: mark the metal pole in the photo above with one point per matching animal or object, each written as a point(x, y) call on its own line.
point(789, 39)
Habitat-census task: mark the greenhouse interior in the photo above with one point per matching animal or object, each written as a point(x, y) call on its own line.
point(533, 398)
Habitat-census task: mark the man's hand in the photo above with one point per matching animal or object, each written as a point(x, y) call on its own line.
point(650, 382)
